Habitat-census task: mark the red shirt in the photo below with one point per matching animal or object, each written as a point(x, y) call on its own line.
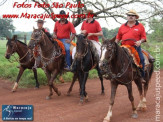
point(63, 31)
point(136, 32)
point(92, 27)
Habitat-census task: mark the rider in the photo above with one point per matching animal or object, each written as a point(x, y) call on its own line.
point(92, 29)
point(132, 29)
point(40, 24)
point(62, 31)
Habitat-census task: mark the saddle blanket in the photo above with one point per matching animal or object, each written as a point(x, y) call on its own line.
point(133, 52)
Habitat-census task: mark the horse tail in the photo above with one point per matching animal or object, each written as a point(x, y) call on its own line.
point(151, 70)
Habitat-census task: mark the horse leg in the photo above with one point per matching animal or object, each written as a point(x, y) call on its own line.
point(72, 84)
point(101, 79)
point(84, 83)
point(131, 98)
point(140, 106)
point(114, 86)
point(48, 75)
point(21, 70)
point(81, 76)
point(35, 75)
point(54, 75)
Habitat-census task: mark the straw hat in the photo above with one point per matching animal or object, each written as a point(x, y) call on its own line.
point(133, 12)
point(40, 21)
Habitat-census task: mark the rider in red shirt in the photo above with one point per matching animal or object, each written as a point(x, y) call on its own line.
point(133, 30)
point(62, 31)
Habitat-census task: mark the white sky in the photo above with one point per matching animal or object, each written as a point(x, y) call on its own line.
point(26, 25)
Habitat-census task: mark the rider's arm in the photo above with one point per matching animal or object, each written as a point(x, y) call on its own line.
point(72, 36)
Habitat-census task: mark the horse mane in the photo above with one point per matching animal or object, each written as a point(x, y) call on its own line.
point(22, 42)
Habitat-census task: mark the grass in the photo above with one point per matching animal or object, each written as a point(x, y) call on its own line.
point(9, 70)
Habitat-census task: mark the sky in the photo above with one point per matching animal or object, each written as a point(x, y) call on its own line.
point(27, 25)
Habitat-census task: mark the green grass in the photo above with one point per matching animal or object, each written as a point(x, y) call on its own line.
point(9, 71)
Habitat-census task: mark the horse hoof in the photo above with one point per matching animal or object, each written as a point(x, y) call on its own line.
point(134, 115)
point(48, 98)
point(13, 91)
point(36, 87)
point(106, 120)
point(102, 93)
point(68, 93)
point(59, 93)
point(81, 103)
point(142, 109)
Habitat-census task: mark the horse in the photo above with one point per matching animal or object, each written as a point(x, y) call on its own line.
point(84, 63)
point(26, 61)
point(117, 66)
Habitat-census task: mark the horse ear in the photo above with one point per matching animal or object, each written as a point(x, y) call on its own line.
point(76, 35)
point(103, 38)
point(85, 36)
point(15, 38)
point(33, 28)
point(113, 39)
point(7, 38)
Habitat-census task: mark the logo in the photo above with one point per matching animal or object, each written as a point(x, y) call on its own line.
point(136, 29)
point(2, 2)
point(17, 112)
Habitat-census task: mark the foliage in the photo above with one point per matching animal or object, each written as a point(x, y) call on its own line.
point(6, 27)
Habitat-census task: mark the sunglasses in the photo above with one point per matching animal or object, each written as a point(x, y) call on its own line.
point(131, 15)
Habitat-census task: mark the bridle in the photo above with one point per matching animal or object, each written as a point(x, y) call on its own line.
point(16, 59)
point(84, 54)
point(107, 65)
point(55, 53)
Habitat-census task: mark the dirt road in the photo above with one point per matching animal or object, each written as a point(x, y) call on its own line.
point(66, 108)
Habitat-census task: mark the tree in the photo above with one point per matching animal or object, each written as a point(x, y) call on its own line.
point(6, 27)
point(156, 26)
point(115, 9)
point(109, 34)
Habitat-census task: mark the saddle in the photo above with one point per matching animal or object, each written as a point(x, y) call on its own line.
point(135, 56)
point(61, 45)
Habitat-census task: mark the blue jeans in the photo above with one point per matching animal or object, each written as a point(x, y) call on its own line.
point(141, 59)
point(67, 49)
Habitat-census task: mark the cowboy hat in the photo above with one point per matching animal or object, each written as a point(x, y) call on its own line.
point(89, 11)
point(133, 12)
point(40, 21)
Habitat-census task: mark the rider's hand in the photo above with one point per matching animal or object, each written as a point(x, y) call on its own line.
point(138, 43)
point(90, 34)
point(55, 36)
point(68, 41)
point(84, 31)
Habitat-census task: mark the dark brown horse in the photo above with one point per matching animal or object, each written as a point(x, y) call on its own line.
point(117, 65)
point(52, 59)
point(85, 61)
point(25, 59)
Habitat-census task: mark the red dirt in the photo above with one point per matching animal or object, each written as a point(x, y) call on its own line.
point(66, 108)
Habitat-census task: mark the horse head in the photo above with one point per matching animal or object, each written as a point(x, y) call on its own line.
point(107, 53)
point(36, 38)
point(82, 45)
point(11, 46)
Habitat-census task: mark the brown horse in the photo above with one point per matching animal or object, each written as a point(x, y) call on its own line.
point(25, 59)
point(51, 57)
point(117, 65)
